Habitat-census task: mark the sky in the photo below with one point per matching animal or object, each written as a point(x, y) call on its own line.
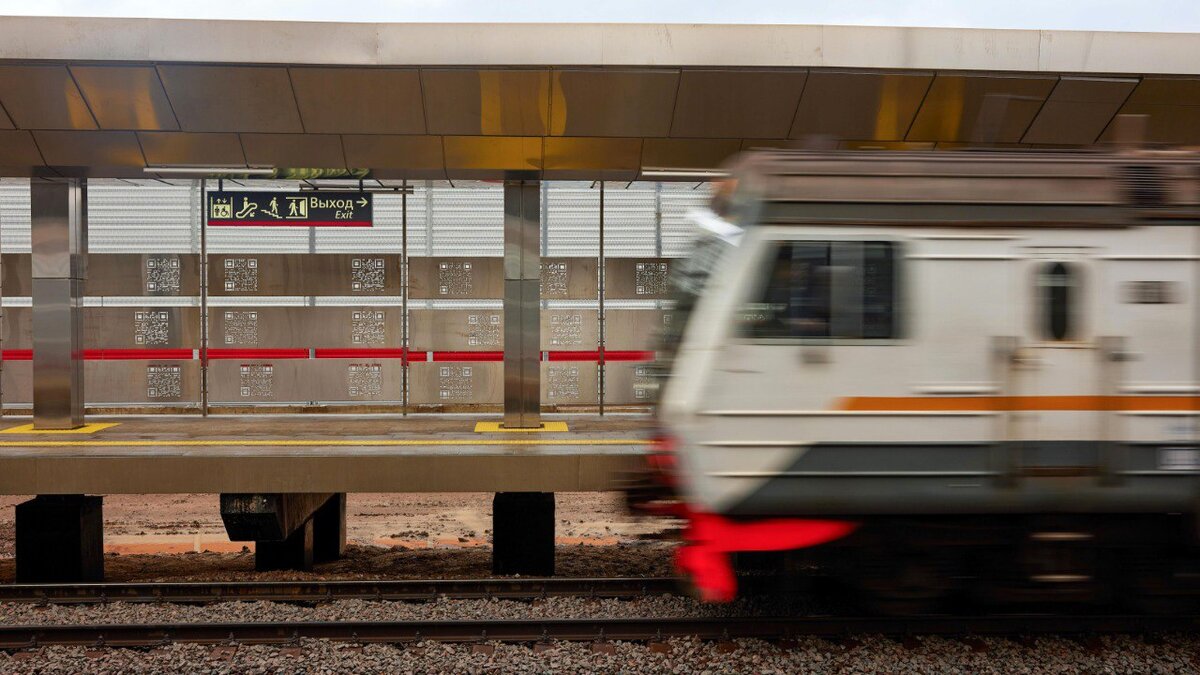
point(1129, 15)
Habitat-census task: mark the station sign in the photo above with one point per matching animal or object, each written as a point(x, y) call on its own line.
point(290, 209)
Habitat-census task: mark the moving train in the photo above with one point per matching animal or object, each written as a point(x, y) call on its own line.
point(941, 374)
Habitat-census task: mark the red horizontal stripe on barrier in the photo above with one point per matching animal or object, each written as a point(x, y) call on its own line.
point(277, 223)
point(359, 353)
point(574, 356)
point(137, 354)
point(227, 353)
point(595, 356)
point(628, 356)
point(328, 353)
point(468, 356)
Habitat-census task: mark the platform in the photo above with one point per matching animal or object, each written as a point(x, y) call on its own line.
point(316, 453)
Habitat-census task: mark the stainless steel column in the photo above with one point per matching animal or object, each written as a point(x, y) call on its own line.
point(522, 293)
point(59, 234)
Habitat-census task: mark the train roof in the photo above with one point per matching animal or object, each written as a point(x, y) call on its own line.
point(960, 188)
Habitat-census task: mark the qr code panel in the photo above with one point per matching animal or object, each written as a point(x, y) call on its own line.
point(241, 275)
point(566, 330)
point(164, 382)
point(256, 380)
point(151, 327)
point(455, 278)
point(367, 327)
point(162, 275)
point(554, 279)
point(368, 275)
point(484, 330)
point(364, 380)
point(650, 278)
point(241, 327)
point(562, 383)
point(455, 383)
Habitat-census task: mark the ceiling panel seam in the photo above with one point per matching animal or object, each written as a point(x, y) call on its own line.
point(424, 114)
point(1058, 81)
point(41, 154)
point(799, 101)
point(138, 139)
point(1117, 112)
point(170, 103)
point(242, 147)
point(296, 102)
point(674, 106)
point(917, 111)
point(82, 96)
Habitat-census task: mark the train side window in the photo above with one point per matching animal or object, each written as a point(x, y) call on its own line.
point(1058, 286)
point(821, 289)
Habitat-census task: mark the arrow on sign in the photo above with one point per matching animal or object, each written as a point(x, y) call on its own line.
point(362, 201)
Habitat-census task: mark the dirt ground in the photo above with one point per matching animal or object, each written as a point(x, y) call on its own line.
point(177, 537)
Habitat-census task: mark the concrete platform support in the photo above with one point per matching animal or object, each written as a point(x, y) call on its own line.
point(60, 539)
point(329, 529)
point(284, 527)
point(523, 533)
point(293, 553)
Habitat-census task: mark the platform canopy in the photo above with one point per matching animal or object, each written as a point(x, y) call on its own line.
point(110, 97)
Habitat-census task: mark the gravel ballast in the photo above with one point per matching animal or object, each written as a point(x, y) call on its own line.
point(442, 609)
point(1175, 654)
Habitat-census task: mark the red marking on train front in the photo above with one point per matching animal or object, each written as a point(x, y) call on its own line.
point(709, 539)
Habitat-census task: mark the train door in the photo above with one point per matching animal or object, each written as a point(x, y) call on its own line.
point(1055, 389)
point(1149, 308)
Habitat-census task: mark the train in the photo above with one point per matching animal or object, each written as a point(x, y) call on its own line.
point(937, 375)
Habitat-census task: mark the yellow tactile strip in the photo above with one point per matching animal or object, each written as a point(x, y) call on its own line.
point(85, 429)
point(498, 427)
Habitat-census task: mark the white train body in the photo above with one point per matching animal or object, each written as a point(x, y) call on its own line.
point(948, 333)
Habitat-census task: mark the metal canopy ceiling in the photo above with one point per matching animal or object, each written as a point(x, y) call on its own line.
point(104, 97)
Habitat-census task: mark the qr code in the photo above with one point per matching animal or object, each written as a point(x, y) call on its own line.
point(241, 328)
point(562, 383)
point(650, 278)
point(367, 327)
point(367, 274)
point(364, 380)
point(164, 382)
point(455, 278)
point(256, 380)
point(566, 330)
point(645, 386)
point(162, 275)
point(554, 280)
point(151, 327)
point(241, 275)
point(484, 330)
point(455, 383)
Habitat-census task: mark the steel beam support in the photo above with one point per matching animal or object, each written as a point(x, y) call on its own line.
point(59, 236)
point(522, 295)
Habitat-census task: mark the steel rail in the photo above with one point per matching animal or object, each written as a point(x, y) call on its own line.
point(584, 630)
point(324, 591)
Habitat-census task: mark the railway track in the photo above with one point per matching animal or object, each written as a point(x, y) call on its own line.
point(325, 591)
point(583, 630)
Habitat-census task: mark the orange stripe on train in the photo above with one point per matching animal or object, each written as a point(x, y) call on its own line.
point(1000, 403)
